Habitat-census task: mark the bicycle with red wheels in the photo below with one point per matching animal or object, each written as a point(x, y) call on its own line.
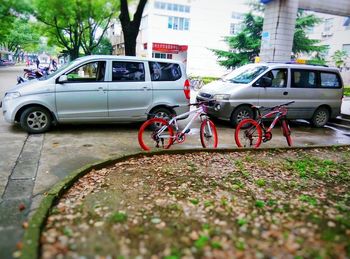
point(250, 132)
point(157, 133)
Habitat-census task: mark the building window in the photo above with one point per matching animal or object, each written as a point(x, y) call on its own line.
point(237, 16)
point(235, 28)
point(347, 23)
point(162, 55)
point(172, 7)
point(346, 47)
point(328, 24)
point(178, 23)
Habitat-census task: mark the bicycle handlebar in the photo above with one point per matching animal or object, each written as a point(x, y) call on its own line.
point(201, 102)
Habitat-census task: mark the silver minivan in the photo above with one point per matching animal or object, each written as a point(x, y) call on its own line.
point(100, 89)
point(316, 90)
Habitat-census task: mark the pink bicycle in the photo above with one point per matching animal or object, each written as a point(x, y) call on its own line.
point(250, 133)
point(157, 133)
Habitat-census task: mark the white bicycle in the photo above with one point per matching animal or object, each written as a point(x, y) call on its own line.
point(157, 133)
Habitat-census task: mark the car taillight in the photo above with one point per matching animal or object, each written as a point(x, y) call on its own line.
point(187, 89)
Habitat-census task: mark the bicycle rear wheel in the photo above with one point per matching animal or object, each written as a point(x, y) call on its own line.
point(286, 132)
point(155, 134)
point(208, 134)
point(248, 133)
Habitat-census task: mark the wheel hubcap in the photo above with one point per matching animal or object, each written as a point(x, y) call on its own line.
point(242, 115)
point(321, 117)
point(37, 120)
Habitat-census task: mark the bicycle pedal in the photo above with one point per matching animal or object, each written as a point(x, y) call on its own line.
point(187, 131)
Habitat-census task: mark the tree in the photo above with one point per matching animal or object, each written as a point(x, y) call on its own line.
point(130, 27)
point(74, 24)
point(104, 48)
point(301, 42)
point(339, 57)
point(10, 11)
point(245, 46)
point(22, 36)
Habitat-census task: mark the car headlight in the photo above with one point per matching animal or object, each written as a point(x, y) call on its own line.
point(13, 95)
point(220, 97)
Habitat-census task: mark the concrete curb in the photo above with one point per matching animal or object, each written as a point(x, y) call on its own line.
point(31, 239)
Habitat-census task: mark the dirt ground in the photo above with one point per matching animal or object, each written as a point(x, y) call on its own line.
point(256, 204)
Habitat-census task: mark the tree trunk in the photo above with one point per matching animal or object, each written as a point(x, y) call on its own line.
point(130, 28)
point(74, 53)
point(130, 36)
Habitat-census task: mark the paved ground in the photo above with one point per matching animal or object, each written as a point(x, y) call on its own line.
point(31, 164)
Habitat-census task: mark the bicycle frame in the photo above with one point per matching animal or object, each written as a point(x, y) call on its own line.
point(198, 112)
point(278, 115)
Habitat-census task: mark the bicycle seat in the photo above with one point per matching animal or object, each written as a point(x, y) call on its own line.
point(257, 107)
point(174, 106)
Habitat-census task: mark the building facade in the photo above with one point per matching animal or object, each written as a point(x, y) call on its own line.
point(334, 32)
point(185, 30)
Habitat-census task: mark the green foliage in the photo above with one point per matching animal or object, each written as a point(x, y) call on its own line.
point(260, 182)
point(259, 204)
point(104, 48)
point(245, 45)
point(301, 42)
point(73, 24)
point(22, 36)
point(339, 57)
point(347, 90)
point(119, 217)
point(15, 30)
point(201, 242)
point(308, 199)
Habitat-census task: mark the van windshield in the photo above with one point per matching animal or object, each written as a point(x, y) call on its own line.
point(245, 74)
point(56, 72)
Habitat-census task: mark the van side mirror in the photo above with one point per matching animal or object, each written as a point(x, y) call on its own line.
point(62, 79)
point(265, 81)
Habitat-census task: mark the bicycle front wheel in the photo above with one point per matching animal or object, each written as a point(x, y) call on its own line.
point(248, 134)
point(286, 132)
point(208, 134)
point(155, 134)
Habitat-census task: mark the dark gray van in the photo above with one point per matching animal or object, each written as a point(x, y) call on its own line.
point(316, 90)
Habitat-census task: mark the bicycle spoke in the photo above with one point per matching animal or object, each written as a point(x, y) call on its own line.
point(248, 134)
point(155, 134)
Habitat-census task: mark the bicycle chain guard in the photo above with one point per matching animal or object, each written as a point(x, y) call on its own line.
point(267, 136)
point(180, 137)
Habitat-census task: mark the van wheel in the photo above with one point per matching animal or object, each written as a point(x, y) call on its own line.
point(240, 113)
point(36, 120)
point(162, 113)
point(320, 117)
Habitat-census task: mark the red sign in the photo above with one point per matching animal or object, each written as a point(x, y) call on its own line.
point(167, 48)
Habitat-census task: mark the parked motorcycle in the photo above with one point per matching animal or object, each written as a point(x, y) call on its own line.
point(33, 73)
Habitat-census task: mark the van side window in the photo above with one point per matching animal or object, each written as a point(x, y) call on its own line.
point(278, 78)
point(123, 71)
point(330, 80)
point(161, 71)
point(90, 72)
point(303, 78)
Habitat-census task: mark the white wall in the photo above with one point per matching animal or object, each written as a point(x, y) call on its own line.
point(209, 24)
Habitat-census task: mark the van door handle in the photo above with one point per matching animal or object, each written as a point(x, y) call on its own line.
point(100, 88)
point(145, 88)
point(285, 93)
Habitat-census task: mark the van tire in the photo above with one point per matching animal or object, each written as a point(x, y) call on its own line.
point(161, 112)
point(36, 120)
point(240, 113)
point(320, 117)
